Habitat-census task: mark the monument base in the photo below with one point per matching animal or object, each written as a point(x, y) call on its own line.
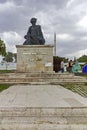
point(34, 58)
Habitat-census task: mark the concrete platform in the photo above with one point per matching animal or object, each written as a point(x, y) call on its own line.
point(42, 107)
point(40, 96)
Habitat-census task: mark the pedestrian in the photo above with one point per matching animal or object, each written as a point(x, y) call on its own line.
point(62, 66)
point(70, 66)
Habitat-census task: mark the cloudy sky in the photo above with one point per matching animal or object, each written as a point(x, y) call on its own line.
point(67, 18)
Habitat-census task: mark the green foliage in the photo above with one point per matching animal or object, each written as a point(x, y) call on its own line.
point(2, 48)
point(6, 71)
point(9, 57)
point(83, 59)
point(4, 86)
point(77, 88)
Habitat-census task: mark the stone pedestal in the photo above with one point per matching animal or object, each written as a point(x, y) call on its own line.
point(34, 58)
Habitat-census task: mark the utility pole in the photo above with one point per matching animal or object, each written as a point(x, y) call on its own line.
point(54, 44)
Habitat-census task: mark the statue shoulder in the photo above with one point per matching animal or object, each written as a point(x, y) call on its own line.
point(38, 26)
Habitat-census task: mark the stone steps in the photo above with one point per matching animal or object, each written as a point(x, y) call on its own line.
point(40, 77)
point(42, 107)
point(24, 118)
point(43, 127)
point(42, 81)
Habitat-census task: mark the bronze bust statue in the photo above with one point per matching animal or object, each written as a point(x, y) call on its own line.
point(34, 35)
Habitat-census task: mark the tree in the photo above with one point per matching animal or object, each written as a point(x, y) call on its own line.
point(82, 58)
point(8, 57)
point(2, 48)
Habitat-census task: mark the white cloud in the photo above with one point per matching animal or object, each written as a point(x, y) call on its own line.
point(65, 17)
point(83, 22)
point(11, 39)
point(70, 3)
point(6, 6)
point(9, 5)
point(79, 53)
point(84, 38)
point(11, 36)
point(64, 37)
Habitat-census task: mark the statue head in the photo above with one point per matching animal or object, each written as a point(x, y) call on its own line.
point(33, 20)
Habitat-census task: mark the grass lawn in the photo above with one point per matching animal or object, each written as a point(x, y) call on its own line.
point(77, 88)
point(4, 86)
point(6, 71)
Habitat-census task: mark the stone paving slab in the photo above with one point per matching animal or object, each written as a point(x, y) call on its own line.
point(40, 96)
point(43, 127)
point(42, 107)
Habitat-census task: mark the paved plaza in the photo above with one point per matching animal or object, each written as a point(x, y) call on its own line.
point(42, 107)
point(40, 96)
